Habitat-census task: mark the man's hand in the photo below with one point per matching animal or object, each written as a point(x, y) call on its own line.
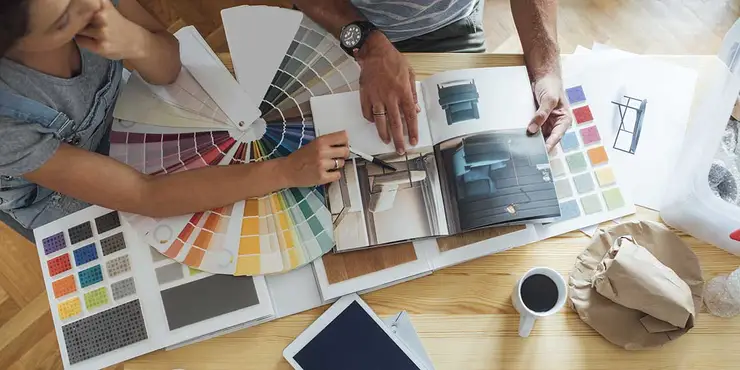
point(388, 91)
point(553, 115)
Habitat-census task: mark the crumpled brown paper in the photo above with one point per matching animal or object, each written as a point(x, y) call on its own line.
point(627, 327)
point(630, 276)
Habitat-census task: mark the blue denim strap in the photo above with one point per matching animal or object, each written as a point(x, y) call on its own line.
point(29, 110)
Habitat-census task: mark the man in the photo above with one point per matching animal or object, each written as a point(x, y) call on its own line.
point(387, 81)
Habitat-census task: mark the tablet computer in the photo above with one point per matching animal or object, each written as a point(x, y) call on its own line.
point(350, 336)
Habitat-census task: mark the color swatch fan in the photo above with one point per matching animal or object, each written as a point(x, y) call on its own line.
point(187, 126)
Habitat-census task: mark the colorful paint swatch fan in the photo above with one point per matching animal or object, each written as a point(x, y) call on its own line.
point(189, 124)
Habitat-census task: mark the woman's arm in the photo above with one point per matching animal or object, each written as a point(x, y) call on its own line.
point(132, 34)
point(100, 180)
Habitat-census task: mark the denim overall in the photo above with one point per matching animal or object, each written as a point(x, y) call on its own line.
point(32, 205)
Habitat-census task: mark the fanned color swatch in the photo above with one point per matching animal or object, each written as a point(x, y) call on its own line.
point(187, 126)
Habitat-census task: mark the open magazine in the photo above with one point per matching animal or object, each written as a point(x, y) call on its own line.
point(474, 165)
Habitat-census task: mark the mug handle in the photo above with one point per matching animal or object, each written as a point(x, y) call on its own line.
point(526, 323)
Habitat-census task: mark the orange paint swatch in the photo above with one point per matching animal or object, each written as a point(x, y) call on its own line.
point(64, 286)
point(194, 257)
point(598, 156)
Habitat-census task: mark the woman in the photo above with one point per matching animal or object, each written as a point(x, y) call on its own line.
point(60, 74)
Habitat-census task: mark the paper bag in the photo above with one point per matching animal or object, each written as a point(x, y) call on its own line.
point(629, 275)
point(621, 325)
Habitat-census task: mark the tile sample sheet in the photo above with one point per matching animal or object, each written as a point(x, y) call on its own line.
point(112, 301)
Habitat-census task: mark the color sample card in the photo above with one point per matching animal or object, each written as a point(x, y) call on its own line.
point(584, 180)
point(90, 272)
point(104, 332)
point(54, 243)
point(215, 297)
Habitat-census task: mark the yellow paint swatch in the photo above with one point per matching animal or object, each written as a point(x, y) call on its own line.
point(70, 308)
point(249, 245)
point(605, 177)
point(248, 265)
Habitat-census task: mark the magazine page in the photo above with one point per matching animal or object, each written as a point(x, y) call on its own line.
point(495, 178)
point(373, 206)
point(470, 101)
point(337, 112)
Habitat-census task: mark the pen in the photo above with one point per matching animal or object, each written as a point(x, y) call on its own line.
point(372, 159)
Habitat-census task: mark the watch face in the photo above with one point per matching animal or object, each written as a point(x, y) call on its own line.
point(351, 36)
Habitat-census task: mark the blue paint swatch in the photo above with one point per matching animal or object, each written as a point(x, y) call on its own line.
point(91, 276)
point(576, 95)
point(569, 142)
point(569, 210)
point(85, 254)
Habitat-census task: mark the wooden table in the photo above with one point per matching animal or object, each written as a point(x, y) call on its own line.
point(464, 313)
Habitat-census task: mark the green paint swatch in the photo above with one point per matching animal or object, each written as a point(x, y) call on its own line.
point(576, 162)
point(591, 204)
point(613, 198)
point(96, 298)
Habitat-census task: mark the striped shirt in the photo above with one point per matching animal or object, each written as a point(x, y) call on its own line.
point(404, 19)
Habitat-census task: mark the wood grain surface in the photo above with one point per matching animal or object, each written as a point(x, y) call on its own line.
point(463, 313)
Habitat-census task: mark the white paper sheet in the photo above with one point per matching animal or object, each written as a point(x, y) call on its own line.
point(607, 76)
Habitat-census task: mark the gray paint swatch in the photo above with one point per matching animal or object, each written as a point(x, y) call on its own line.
point(124, 288)
point(113, 244)
point(118, 266)
point(107, 222)
point(169, 273)
point(80, 232)
point(104, 332)
point(208, 298)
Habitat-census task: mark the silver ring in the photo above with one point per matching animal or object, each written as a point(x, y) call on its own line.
point(380, 114)
point(336, 164)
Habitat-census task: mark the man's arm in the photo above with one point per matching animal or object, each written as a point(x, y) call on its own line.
point(330, 14)
point(387, 82)
point(536, 22)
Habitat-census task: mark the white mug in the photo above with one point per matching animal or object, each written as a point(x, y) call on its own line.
point(527, 316)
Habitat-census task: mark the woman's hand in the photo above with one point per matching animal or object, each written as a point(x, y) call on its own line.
point(317, 163)
point(112, 36)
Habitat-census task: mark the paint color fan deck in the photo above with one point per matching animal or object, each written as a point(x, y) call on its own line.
point(196, 123)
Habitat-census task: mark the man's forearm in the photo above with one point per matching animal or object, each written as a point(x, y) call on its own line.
point(536, 23)
point(330, 14)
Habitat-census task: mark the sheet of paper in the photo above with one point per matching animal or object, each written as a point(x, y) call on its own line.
point(470, 101)
point(332, 113)
point(645, 157)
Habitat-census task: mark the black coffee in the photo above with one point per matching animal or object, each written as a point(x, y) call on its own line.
point(539, 293)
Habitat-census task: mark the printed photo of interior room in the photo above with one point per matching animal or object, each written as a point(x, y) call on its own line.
point(459, 100)
point(372, 206)
point(496, 178)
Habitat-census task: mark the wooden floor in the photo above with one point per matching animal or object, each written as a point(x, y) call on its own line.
point(471, 298)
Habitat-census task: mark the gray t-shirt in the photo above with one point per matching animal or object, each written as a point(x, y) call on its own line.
point(405, 19)
point(24, 147)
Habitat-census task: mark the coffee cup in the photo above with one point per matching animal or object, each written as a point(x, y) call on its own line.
point(539, 293)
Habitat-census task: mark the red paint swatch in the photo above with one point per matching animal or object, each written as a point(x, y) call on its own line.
point(583, 115)
point(735, 235)
point(59, 264)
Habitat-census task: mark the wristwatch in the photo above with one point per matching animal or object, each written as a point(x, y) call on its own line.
point(354, 35)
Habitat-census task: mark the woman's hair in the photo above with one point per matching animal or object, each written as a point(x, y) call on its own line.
point(13, 22)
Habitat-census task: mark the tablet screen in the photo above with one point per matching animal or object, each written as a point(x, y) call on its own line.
point(353, 341)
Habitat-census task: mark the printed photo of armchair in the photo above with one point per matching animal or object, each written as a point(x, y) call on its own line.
point(459, 100)
point(473, 162)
